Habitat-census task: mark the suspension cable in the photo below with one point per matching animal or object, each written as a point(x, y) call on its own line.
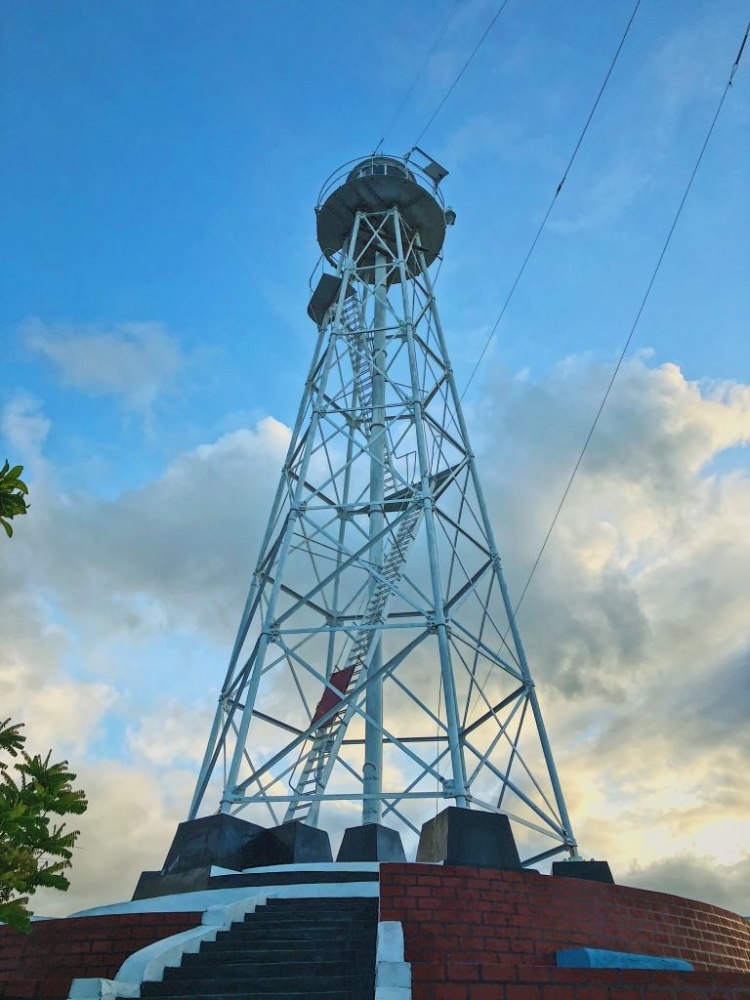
point(418, 75)
point(555, 196)
point(461, 72)
point(638, 315)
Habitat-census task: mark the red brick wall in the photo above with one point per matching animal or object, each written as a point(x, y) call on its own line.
point(470, 933)
point(43, 963)
point(539, 983)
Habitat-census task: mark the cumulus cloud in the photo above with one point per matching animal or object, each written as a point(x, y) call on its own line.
point(134, 361)
point(635, 622)
point(93, 592)
point(36, 688)
point(131, 820)
point(697, 878)
point(176, 554)
point(680, 69)
point(175, 734)
point(25, 426)
point(607, 199)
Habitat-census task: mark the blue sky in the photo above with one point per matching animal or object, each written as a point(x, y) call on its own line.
point(163, 162)
point(160, 166)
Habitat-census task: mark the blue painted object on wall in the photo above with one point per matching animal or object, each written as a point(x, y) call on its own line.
point(600, 958)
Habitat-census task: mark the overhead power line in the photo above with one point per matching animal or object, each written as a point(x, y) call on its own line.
point(418, 75)
point(639, 313)
point(555, 196)
point(461, 72)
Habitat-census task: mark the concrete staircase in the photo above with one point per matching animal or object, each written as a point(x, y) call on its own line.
point(301, 949)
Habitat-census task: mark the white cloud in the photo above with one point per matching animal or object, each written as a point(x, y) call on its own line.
point(636, 621)
point(132, 360)
point(688, 66)
point(173, 734)
point(25, 426)
point(129, 825)
point(606, 198)
point(58, 710)
point(174, 555)
point(696, 877)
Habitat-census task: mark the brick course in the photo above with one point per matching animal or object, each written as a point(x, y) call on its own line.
point(478, 934)
point(594, 984)
point(470, 934)
point(44, 962)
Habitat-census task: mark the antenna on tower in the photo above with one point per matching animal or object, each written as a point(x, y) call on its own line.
point(371, 673)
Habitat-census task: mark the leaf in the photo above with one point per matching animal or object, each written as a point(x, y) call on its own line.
point(11, 738)
point(16, 914)
point(34, 852)
point(8, 528)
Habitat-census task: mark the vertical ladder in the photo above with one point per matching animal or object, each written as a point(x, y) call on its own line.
point(360, 350)
point(316, 754)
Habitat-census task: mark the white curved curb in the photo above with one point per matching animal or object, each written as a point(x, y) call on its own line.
point(148, 964)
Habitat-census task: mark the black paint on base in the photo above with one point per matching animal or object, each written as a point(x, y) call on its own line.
point(291, 843)
point(469, 837)
point(594, 871)
point(371, 842)
point(211, 840)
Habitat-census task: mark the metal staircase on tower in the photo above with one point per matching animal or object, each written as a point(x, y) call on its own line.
point(319, 754)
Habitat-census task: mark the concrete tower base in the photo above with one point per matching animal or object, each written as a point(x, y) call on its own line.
point(469, 837)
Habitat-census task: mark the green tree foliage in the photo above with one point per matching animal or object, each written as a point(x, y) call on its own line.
point(12, 495)
point(34, 850)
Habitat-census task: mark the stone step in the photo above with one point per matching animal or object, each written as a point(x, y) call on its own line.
point(261, 969)
point(295, 930)
point(322, 912)
point(270, 950)
point(309, 949)
point(325, 913)
point(308, 994)
point(243, 946)
point(320, 905)
point(282, 985)
point(324, 925)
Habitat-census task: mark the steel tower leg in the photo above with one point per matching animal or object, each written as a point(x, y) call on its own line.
point(500, 573)
point(373, 768)
point(459, 789)
point(268, 631)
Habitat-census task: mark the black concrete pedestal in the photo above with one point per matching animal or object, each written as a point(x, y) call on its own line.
point(594, 871)
point(469, 837)
point(211, 840)
point(152, 884)
point(371, 842)
point(288, 844)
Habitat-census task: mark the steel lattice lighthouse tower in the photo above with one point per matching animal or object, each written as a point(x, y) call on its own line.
point(378, 682)
point(378, 670)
